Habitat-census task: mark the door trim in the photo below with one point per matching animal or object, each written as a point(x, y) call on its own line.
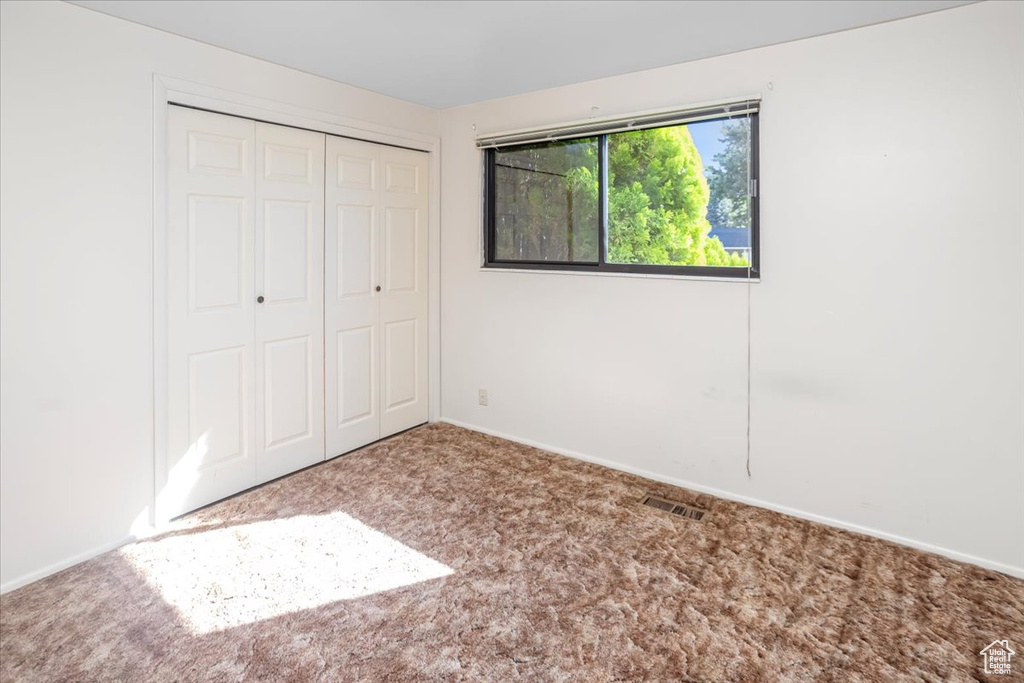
point(169, 90)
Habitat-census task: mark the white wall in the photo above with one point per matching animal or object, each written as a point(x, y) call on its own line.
point(76, 387)
point(888, 330)
point(888, 333)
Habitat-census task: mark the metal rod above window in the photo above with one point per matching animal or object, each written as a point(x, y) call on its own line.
point(619, 124)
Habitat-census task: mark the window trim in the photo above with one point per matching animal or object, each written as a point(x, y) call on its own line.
point(753, 272)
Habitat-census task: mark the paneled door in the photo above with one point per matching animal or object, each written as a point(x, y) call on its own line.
point(245, 305)
point(297, 301)
point(211, 450)
point(376, 292)
point(403, 301)
point(289, 244)
point(351, 306)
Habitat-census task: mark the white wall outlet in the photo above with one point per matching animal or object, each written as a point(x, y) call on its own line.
point(482, 396)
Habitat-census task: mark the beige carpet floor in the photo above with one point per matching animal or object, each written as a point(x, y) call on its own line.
point(447, 555)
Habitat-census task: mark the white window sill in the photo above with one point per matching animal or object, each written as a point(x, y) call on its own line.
point(648, 276)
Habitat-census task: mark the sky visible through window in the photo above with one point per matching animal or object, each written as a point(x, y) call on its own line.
point(707, 136)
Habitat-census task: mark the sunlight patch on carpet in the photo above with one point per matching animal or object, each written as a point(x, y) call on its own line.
point(242, 574)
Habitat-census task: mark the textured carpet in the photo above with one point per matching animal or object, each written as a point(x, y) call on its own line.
point(443, 554)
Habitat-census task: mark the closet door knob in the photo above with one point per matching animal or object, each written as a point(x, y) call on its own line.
point(259, 299)
point(378, 288)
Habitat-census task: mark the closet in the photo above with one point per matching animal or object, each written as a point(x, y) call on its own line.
point(297, 300)
point(376, 272)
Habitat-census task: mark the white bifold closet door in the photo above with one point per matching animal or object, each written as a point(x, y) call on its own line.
point(290, 282)
point(245, 305)
point(375, 311)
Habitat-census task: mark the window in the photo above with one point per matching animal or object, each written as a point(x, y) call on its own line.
point(545, 202)
point(674, 193)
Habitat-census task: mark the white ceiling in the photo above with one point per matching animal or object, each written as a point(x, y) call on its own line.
point(445, 54)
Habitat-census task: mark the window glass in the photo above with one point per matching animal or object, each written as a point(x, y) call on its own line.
point(546, 202)
point(678, 195)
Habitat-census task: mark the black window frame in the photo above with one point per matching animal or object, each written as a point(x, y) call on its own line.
point(602, 266)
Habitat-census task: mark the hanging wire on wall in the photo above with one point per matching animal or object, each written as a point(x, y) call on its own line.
point(752, 190)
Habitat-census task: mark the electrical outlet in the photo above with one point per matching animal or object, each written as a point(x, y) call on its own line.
point(482, 396)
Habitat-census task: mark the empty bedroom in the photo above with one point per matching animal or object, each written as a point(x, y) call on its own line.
point(511, 341)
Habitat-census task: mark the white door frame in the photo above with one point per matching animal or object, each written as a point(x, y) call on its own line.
point(167, 89)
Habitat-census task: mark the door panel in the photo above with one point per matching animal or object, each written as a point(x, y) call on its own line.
point(351, 312)
point(287, 238)
point(289, 321)
point(210, 153)
point(211, 432)
point(356, 165)
point(215, 251)
point(403, 301)
point(356, 253)
point(400, 250)
point(289, 164)
point(217, 386)
point(401, 177)
point(289, 413)
point(357, 359)
point(400, 359)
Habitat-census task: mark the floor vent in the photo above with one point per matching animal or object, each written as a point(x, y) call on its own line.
point(672, 507)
